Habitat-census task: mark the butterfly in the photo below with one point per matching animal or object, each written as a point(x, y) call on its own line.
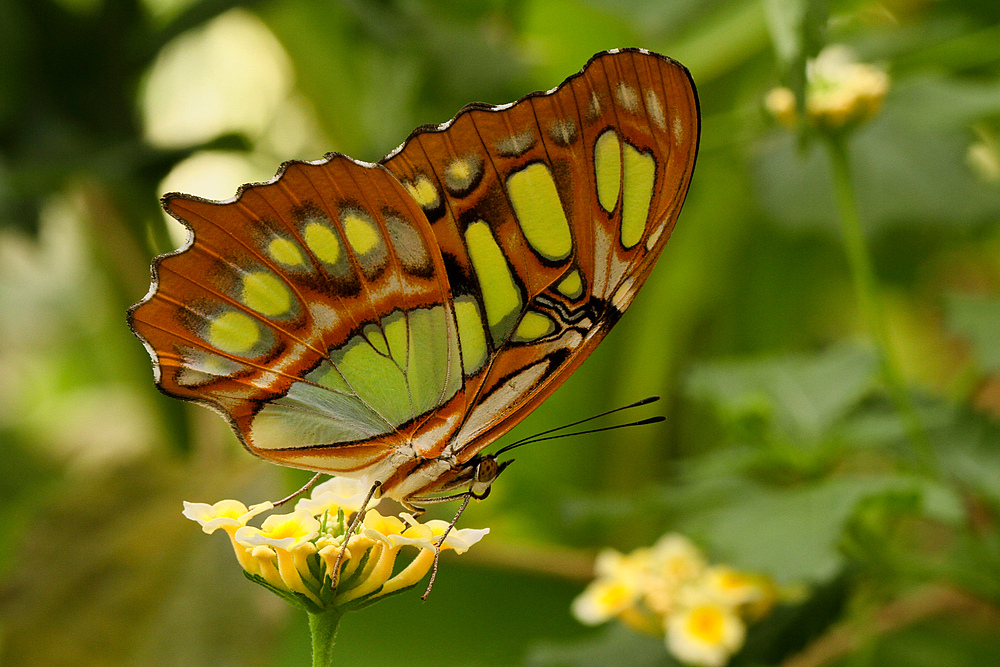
point(389, 321)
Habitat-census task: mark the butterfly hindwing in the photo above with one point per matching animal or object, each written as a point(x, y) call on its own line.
point(390, 320)
point(312, 311)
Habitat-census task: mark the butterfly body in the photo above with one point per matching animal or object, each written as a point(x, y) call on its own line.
point(388, 321)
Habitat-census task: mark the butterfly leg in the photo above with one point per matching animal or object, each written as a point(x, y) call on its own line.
point(308, 485)
point(335, 581)
point(440, 542)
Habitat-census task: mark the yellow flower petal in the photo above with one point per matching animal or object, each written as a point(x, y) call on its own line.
point(376, 573)
point(705, 634)
point(282, 531)
point(411, 574)
point(383, 525)
point(264, 556)
point(604, 599)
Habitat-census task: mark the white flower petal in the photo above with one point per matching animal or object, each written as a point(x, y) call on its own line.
point(460, 539)
point(225, 513)
point(336, 493)
point(705, 634)
point(604, 599)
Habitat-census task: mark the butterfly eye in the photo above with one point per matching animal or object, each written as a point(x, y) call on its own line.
point(487, 470)
point(485, 473)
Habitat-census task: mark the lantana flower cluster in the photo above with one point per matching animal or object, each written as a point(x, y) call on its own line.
point(839, 92)
point(294, 554)
point(670, 590)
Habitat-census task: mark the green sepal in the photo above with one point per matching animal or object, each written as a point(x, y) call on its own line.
point(297, 600)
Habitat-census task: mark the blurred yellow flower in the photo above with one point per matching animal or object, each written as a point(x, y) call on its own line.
point(670, 590)
point(733, 588)
point(619, 586)
point(780, 103)
point(705, 634)
point(839, 92)
point(983, 159)
point(295, 554)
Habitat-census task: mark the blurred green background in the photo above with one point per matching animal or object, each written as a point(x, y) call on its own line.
point(782, 452)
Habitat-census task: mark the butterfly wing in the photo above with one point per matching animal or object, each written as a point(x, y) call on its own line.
point(389, 321)
point(550, 214)
point(312, 311)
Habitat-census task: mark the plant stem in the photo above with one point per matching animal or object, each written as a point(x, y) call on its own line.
point(323, 628)
point(866, 291)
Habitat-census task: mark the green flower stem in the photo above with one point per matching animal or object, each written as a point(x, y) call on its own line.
point(323, 628)
point(865, 288)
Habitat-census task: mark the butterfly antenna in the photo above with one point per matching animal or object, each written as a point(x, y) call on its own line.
point(440, 542)
point(641, 422)
point(538, 437)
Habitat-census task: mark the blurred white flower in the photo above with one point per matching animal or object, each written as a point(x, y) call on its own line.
point(840, 92)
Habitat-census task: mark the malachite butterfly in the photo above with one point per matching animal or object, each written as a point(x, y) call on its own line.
point(389, 321)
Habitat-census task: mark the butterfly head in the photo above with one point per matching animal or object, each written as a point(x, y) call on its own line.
point(485, 469)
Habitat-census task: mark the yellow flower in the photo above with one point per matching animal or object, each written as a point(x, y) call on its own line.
point(223, 514)
point(615, 565)
point(289, 535)
point(381, 526)
point(669, 590)
point(839, 91)
point(604, 599)
point(704, 634)
point(230, 516)
point(265, 558)
point(295, 554)
point(459, 539)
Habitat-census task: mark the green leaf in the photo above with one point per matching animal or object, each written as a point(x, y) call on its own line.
point(969, 450)
point(799, 395)
point(793, 534)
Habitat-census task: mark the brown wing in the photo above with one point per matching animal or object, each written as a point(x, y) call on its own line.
point(550, 214)
point(312, 311)
point(388, 321)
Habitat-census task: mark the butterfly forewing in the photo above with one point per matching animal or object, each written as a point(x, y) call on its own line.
point(389, 321)
point(576, 190)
